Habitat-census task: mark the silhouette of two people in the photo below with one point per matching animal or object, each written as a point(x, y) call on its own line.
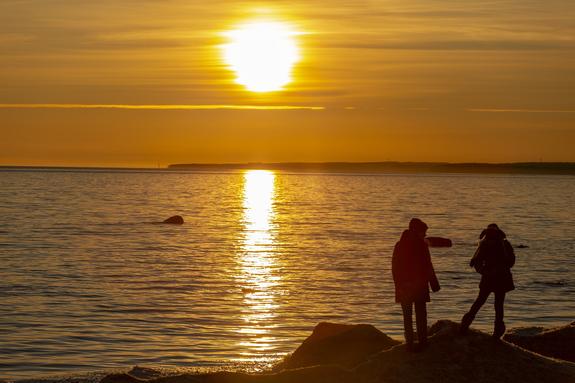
point(493, 259)
point(413, 274)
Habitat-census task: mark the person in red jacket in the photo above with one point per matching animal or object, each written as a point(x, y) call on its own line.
point(413, 274)
point(493, 259)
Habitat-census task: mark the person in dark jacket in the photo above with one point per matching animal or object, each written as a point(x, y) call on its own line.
point(493, 259)
point(413, 273)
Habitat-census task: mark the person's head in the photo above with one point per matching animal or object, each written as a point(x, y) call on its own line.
point(418, 227)
point(492, 232)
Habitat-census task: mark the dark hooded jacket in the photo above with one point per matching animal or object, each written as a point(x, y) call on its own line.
point(494, 259)
point(412, 269)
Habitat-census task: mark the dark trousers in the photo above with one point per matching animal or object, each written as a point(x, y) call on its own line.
point(420, 319)
point(482, 298)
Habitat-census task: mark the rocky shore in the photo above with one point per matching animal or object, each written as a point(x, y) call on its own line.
point(361, 353)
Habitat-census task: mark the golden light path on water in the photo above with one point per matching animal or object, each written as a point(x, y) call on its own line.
point(258, 265)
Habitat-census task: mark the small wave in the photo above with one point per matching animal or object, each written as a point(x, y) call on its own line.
point(559, 283)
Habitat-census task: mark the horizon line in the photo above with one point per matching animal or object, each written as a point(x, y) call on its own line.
point(255, 163)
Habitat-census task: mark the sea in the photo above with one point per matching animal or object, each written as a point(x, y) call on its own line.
point(89, 280)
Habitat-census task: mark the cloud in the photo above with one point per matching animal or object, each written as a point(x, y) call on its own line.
point(465, 44)
point(503, 110)
point(160, 107)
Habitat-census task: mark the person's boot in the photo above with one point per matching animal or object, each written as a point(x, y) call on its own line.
point(409, 346)
point(465, 323)
point(422, 336)
point(498, 329)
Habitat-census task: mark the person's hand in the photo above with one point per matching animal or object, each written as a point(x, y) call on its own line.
point(435, 287)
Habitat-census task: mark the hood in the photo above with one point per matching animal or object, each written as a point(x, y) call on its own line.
point(491, 233)
point(409, 235)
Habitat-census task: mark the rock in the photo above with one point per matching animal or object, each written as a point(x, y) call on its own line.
point(315, 374)
point(344, 345)
point(449, 358)
point(521, 246)
point(556, 342)
point(120, 378)
point(472, 358)
point(174, 220)
point(438, 242)
point(144, 373)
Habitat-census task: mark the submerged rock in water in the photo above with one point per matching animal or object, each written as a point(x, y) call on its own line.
point(556, 342)
point(449, 358)
point(174, 220)
point(438, 242)
point(344, 345)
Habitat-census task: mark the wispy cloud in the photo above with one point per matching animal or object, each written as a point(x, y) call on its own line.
point(455, 45)
point(496, 110)
point(160, 107)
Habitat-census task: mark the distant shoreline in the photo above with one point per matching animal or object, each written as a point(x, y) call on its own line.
point(387, 167)
point(553, 168)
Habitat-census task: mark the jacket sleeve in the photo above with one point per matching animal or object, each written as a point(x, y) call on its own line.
point(399, 268)
point(433, 282)
point(395, 266)
point(398, 265)
point(509, 254)
point(478, 259)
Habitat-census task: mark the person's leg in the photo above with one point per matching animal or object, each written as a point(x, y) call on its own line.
point(499, 301)
point(470, 316)
point(479, 302)
point(421, 322)
point(408, 324)
point(499, 328)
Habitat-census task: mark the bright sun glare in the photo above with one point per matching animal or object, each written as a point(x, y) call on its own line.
point(262, 54)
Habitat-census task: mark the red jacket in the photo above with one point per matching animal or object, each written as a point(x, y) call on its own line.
point(412, 269)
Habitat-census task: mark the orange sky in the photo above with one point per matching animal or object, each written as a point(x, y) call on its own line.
point(402, 80)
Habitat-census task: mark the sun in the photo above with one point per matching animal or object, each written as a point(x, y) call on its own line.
point(262, 54)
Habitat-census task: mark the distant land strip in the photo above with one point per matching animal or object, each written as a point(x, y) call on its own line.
point(558, 168)
point(388, 167)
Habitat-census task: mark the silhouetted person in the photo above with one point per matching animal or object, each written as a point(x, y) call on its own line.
point(413, 274)
point(493, 259)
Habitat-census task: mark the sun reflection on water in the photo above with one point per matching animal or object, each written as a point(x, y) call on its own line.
point(259, 274)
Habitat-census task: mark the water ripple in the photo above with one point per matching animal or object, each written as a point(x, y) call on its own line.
point(88, 282)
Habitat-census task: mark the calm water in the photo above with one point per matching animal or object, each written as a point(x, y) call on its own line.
point(86, 282)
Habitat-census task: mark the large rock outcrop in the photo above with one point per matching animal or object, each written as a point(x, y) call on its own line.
point(556, 342)
point(472, 358)
point(340, 344)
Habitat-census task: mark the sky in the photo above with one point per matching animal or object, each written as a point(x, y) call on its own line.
point(144, 83)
